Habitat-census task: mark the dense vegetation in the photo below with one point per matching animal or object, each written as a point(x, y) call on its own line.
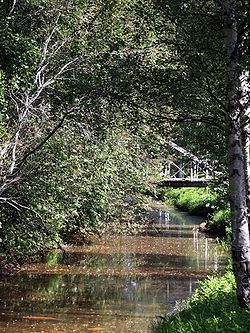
point(91, 91)
point(74, 160)
point(195, 201)
point(99, 188)
point(212, 308)
point(211, 203)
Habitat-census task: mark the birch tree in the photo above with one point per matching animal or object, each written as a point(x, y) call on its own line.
point(245, 109)
point(39, 98)
point(31, 126)
point(206, 79)
point(193, 67)
point(50, 182)
point(236, 158)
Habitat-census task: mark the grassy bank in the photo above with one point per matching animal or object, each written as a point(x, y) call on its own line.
point(204, 202)
point(212, 308)
point(196, 201)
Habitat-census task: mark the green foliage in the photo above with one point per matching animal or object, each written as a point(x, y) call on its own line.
point(207, 202)
point(212, 308)
point(90, 175)
point(18, 240)
point(197, 201)
point(221, 218)
point(53, 258)
point(79, 188)
point(220, 221)
point(19, 55)
point(125, 65)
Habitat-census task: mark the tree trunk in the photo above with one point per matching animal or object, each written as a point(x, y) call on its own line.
point(236, 158)
point(246, 145)
point(245, 104)
point(240, 231)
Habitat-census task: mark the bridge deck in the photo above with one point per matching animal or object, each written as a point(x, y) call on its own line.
point(186, 182)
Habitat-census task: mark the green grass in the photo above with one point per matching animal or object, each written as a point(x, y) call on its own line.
point(196, 201)
point(201, 201)
point(213, 308)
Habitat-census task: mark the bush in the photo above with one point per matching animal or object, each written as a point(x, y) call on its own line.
point(220, 221)
point(221, 218)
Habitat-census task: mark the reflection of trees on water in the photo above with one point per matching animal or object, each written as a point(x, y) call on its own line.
point(90, 296)
point(202, 254)
point(65, 292)
point(169, 222)
point(96, 293)
point(209, 253)
point(97, 260)
point(171, 216)
point(206, 253)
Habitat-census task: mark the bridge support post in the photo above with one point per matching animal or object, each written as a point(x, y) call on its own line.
point(180, 169)
point(191, 171)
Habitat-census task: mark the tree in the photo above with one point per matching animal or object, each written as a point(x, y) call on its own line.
point(44, 79)
point(196, 70)
point(212, 46)
point(236, 105)
point(70, 149)
point(128, 62)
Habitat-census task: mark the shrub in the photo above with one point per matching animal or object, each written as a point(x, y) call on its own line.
point(220, 223)
point(221, 218)
point(79, 189)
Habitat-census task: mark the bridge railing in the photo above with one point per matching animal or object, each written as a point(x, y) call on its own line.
point(189, 170)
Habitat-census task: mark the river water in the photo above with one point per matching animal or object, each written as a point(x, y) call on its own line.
point(119, 284)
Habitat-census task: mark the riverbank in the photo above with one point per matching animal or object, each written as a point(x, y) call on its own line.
point(212, 308)
point(202, 202)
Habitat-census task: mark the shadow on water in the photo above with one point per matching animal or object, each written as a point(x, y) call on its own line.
point(117, 285)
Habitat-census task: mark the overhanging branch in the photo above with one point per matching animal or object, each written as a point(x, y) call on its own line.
point(180, 118)
point(13, 7)
point(46, 139)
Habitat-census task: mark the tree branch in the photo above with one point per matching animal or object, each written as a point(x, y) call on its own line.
point(179, 118)
point(13, 7)
point(52, 132)
point(243, 29)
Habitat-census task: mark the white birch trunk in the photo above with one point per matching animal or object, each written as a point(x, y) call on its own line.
point(236, 160)
point(245, 104)
point(246, 144)
point(240, 229)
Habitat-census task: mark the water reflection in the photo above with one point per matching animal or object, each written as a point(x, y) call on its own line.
point(116, 285)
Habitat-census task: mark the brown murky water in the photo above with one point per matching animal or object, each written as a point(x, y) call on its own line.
point(115, 286)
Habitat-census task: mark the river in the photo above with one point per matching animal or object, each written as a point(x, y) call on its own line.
point(117, 285)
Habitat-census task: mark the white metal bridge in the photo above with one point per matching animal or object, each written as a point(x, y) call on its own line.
point(188, 170)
